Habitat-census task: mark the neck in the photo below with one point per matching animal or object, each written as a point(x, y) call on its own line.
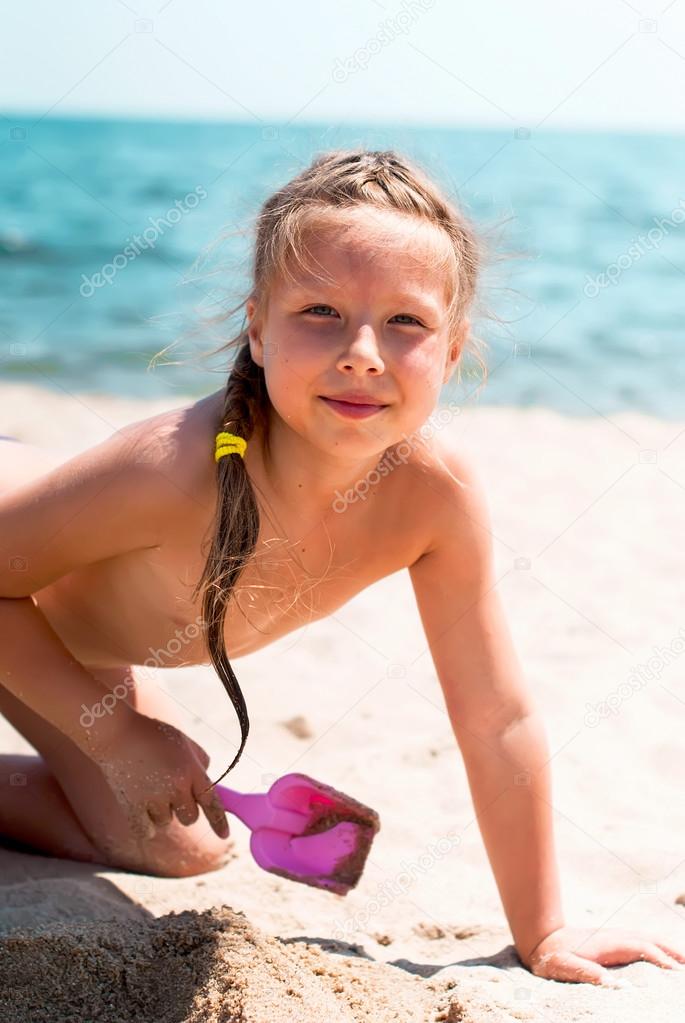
point(300, 475)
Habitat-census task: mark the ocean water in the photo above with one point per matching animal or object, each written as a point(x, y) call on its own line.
point(104, 228)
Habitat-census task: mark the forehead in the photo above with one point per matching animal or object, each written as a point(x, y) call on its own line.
point(370, 245)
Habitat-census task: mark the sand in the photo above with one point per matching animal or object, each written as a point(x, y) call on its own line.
point(587, 518)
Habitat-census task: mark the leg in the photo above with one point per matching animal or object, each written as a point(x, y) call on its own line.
point(35, 811)
point(174, 851)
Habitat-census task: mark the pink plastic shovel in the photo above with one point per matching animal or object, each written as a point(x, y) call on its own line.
point(306, 831)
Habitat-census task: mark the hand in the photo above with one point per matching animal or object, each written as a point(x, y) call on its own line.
point(579, 954)
point(154, 770)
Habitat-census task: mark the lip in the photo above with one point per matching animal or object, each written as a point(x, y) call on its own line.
point(354, 398)
point(353, 409)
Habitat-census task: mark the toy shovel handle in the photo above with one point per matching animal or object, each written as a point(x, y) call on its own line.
point(256, 810)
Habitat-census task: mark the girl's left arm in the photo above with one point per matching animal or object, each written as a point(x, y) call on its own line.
point(502, 740)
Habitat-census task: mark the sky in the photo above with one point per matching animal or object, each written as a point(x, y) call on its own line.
point(594, 64)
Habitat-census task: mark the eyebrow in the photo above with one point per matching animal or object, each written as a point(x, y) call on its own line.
point(418, 300)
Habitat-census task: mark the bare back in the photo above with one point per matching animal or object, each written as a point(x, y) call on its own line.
point(136, 608)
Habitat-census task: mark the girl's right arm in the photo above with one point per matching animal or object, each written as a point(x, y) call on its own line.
point(105, 501)
point(100, 503)
point(37, 668)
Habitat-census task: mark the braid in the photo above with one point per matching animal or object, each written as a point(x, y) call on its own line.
point(236, 527)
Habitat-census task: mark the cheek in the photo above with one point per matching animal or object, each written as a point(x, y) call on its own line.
point(291, 377)
point(422, 365)
point(284, 383)
point(303, 354)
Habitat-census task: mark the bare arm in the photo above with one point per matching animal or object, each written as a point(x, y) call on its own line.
point(103, 502)
point(498, 730)
point(39, 670)
point(152, 773)
point(505, 752)
point(511, 789)
point(108, 500)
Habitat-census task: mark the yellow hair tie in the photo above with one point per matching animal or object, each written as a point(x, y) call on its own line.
point(227, 443)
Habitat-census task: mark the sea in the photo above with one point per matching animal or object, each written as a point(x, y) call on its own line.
point(125, 254)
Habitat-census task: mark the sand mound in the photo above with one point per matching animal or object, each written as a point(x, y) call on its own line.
point(209, 967)
point(41, 901)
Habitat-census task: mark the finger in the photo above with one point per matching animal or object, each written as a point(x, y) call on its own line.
point(630, 950)
point(674, 952)
point(159, 814)
point(186, 811)
point(213, 810)
point(653, 953)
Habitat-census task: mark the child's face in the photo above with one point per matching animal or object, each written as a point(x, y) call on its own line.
point(377, 324)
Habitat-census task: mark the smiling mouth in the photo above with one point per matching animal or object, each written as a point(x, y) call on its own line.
point(353, 409)
point(358, 404)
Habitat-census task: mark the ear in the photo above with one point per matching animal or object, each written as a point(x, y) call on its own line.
point(456, 346)
point(254, 333)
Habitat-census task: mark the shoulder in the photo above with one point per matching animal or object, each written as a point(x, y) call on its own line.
point(456, 504)
point(175, 450)
point(132, 490)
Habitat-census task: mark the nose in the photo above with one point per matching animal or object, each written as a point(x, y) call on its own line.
point(362, 354)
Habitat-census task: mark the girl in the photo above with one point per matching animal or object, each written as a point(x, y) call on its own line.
point(364, 277)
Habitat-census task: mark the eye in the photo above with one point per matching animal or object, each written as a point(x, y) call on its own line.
point(311, 309)
point(406, 316)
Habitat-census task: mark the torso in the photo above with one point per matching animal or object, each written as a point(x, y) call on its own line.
point(136, 608)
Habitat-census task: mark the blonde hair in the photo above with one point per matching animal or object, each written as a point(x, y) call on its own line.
point(334, 182)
